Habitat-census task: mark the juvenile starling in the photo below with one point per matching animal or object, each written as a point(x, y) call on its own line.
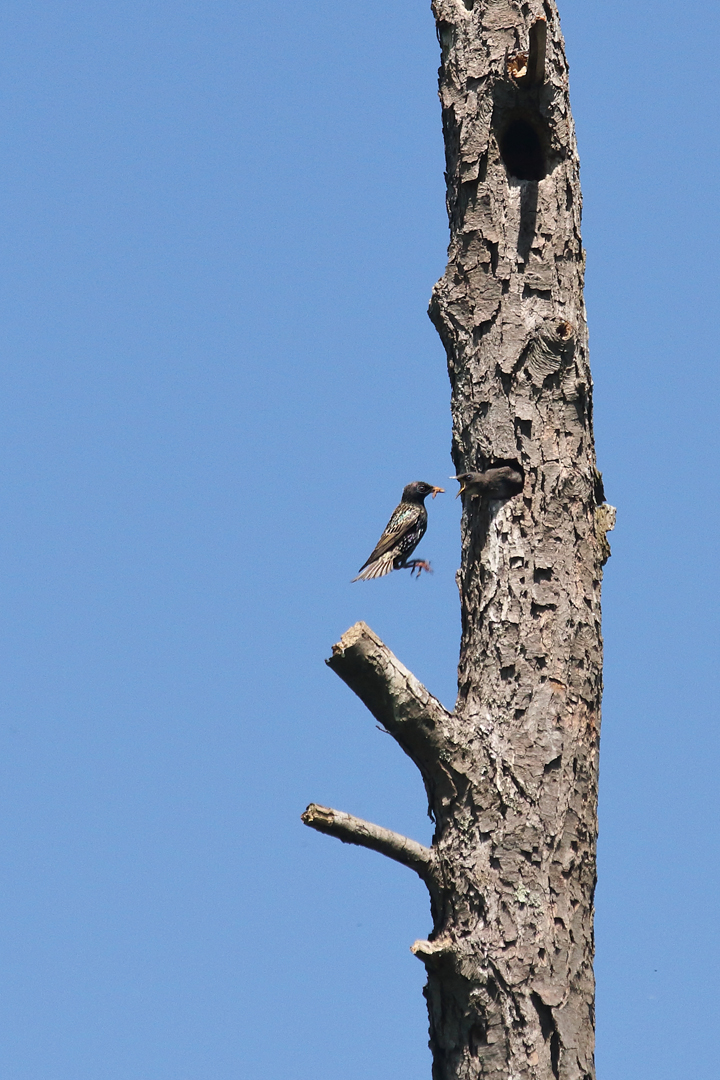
point(501, 483)
point(402, 534)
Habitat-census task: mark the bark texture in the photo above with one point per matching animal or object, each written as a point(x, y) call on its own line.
point(511, 774)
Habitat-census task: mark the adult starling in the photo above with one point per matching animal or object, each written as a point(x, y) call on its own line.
point(402, 534)
point(500, 483)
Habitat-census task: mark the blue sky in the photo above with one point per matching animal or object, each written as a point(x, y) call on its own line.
point(220, 225)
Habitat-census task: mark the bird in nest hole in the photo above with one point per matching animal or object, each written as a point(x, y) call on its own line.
point(401, 536)
point(500, 483)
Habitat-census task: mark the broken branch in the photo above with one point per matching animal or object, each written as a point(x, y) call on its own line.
point(415, 719)
point(353, 830)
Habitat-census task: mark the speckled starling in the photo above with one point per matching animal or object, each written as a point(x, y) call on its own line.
point(500, 483)
point(402, 534)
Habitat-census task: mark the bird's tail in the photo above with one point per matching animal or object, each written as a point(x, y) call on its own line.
point(379, 568)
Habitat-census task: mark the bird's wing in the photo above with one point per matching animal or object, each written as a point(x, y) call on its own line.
point(403, 521)
point(379, 568)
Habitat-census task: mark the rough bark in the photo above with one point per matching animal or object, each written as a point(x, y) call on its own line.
point(511, 775)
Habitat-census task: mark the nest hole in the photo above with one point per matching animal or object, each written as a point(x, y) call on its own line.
point(522, 151)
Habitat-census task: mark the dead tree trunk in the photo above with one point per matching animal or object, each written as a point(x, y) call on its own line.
point(511, 774)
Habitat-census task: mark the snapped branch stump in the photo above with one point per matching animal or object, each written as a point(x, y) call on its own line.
point(511, 773)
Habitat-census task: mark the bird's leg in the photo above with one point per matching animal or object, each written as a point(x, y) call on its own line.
point(419, 565)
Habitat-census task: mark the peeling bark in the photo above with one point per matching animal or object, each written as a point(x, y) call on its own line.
point(511, 774)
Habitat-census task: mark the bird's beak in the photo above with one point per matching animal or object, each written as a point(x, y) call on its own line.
point(462, 485)
point(438, 491)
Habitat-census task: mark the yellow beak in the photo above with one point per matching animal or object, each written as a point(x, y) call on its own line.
point(438, 491)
